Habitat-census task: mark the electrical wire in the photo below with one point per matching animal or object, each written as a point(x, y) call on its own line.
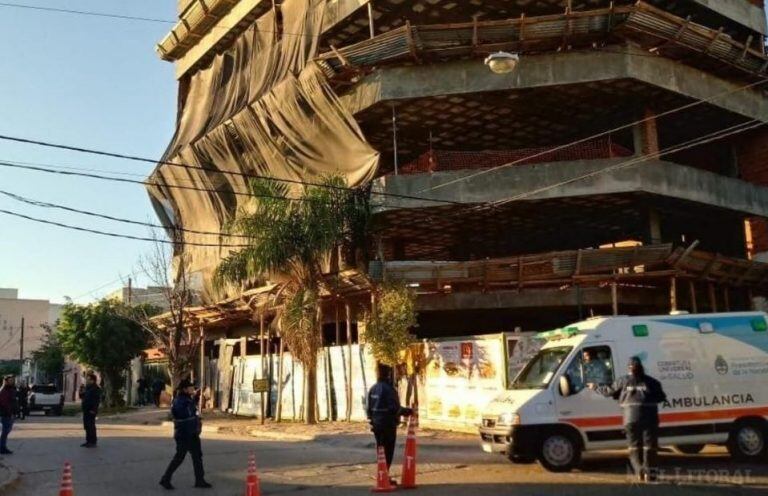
point(113, 234)
point(39, 203)
point(134, 158)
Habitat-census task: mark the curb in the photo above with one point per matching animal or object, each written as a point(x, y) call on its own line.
point(11, 479)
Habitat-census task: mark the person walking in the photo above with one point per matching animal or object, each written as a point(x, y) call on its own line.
point(187, 427)
point(90, 398)
point(141, 391)
point(157, 389)
point(639, 396)
point(7, 410)
point(384, 412)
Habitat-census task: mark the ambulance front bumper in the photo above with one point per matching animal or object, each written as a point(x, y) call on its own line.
point(493, 438)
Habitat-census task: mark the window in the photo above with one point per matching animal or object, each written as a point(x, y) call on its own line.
point(538, 373)
point(592, 365)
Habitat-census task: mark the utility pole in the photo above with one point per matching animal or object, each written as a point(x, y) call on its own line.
point(21, 344)
point(130, 291)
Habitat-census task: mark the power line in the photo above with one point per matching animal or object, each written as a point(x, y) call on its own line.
point(714, 136)
point(115, 235)
point(135, 158)
point(123, 17)
point(39, 203)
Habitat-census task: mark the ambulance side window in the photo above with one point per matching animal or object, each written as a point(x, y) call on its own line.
point(591, 365)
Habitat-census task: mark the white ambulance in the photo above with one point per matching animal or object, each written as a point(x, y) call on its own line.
point(713, 368)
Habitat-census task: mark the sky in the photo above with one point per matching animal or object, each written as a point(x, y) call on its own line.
point(91, 82)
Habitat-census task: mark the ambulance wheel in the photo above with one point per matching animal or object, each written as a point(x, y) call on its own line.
point(559, 451)
point(689, 449)
point(747, 441)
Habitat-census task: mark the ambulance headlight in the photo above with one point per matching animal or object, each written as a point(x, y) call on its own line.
point(508, 419)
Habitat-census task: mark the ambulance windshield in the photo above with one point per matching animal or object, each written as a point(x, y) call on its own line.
point(538, 373)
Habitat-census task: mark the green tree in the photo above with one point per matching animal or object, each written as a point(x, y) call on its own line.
point(387, 329)
point(291, 242)
point(50, 356)
point(100, 335)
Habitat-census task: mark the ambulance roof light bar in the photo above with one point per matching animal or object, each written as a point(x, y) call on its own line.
point(557, 334)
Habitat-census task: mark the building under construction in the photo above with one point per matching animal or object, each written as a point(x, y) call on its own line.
point(609, 157)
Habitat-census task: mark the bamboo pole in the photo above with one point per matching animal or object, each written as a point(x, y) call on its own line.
point(261, 352)
point(280, 374)
point(348, 311)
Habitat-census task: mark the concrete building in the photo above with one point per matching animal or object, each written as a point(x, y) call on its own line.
point(153, 295)
point(36, 314)
point(615, 159)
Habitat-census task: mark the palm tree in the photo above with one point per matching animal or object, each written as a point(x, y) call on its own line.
point(289, 241)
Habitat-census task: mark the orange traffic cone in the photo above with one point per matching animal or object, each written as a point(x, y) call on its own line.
point(252, 481)
point(409, 461)
point(66, 481)
point(383, 485)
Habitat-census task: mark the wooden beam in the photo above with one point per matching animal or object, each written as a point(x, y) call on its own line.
point(712, 297)
point(615, 297)
point(692, 290)
point(673, 294)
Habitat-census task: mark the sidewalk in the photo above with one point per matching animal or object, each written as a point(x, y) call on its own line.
point(8, 476)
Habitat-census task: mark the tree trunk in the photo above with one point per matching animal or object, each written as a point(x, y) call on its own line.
point(310, 394)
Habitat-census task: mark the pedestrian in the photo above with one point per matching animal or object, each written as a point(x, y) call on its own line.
point(90, 397)
point(141, 391)
point(639, 396)
point(384, 412)
point(187, 427)
point(157, 389)
point(7, 409)
point(21, 400)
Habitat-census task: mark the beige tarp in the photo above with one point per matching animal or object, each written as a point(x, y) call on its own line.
point(262, 107)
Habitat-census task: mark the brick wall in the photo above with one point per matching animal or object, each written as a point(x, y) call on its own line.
point(752, 155)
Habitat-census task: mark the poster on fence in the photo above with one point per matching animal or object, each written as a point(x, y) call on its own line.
point(462, 376)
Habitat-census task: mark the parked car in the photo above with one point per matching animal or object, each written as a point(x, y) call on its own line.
point(45, 398)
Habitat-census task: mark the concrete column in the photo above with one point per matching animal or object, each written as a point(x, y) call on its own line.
point(654, 227)
point(645, 134)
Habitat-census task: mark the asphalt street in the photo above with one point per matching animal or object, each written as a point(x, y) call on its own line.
point(130, 459)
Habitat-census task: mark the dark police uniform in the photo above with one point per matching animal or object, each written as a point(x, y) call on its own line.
point(639, 396)
point(186, 432)
point(90, 399)
point(384, 413)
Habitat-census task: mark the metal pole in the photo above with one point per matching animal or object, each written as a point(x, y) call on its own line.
point(130, 291)
point(202, 368)
point(370, 19)
point(21, 344)
point(394, 136)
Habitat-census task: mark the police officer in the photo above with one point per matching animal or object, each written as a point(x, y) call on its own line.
point(90, 398)
point(639, 396)
point(186, 431)
point(384, 411)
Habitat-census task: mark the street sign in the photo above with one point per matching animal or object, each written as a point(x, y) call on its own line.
point(260, 386)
